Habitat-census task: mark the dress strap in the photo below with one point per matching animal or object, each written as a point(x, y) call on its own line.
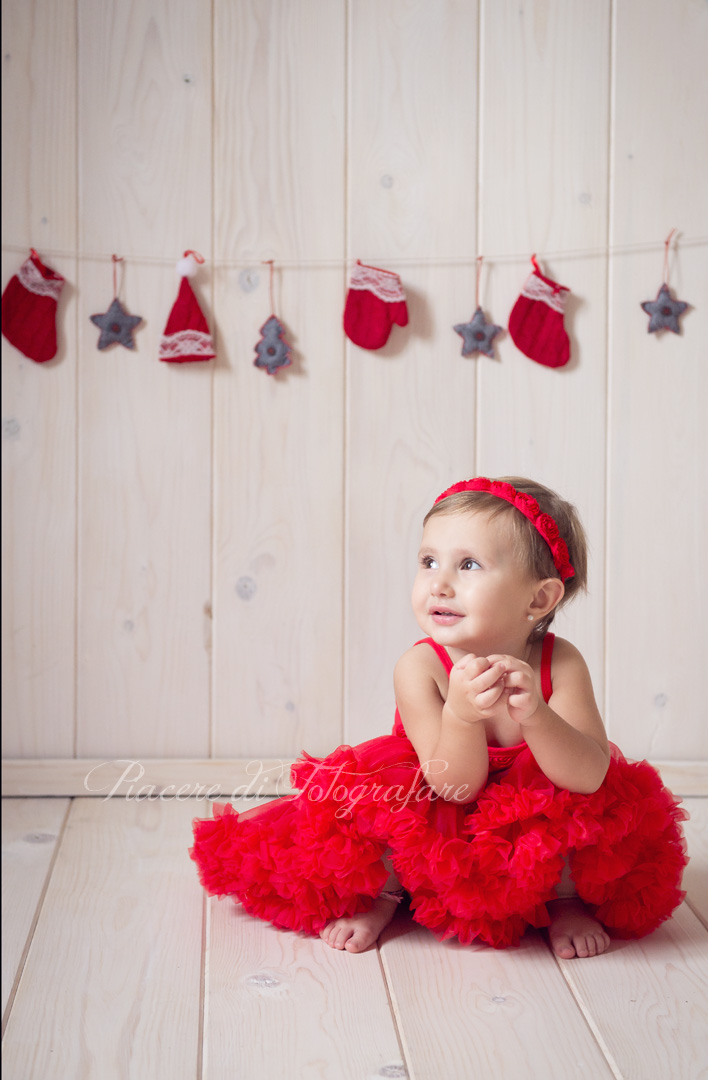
point(440, 650)
point(546, 656)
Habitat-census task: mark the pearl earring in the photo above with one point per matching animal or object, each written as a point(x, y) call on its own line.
point(530, 618)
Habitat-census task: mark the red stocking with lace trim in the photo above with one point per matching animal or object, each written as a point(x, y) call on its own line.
point(536, 320)
point(29, 309)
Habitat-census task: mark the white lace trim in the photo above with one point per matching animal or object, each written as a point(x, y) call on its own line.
point(537, 289)
point(385, 285)
point(186, 343)
point(31, 277)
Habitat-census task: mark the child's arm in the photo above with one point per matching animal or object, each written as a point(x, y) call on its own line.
point(567, 736)
point(442, 722)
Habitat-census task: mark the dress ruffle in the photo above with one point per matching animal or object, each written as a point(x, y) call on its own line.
point(479, 872)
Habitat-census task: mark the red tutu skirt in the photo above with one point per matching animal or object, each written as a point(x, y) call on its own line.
point(479, 872)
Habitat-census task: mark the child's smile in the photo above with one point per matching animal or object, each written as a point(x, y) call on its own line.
point(444, 616)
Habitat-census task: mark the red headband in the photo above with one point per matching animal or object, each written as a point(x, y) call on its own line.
point(544, 524)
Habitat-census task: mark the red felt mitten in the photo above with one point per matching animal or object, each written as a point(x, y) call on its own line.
point(536, 320)
point(374, 302)
point(29, 309)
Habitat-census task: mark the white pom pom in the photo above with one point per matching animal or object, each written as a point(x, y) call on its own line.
point(187, 267)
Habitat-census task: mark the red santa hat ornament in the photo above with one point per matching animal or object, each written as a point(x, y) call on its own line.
point(186, 337)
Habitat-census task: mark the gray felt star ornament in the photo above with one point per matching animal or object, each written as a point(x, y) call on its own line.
point(477, 334)
point(116, 326)
point(664, 311)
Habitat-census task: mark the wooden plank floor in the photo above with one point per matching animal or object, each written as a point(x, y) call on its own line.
point(115, 965)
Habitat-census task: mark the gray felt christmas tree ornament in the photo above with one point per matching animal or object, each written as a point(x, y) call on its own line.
point(272, 351)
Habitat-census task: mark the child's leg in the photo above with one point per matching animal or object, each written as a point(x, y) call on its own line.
point(358, 932)
point(393, 885)
point(574, 931)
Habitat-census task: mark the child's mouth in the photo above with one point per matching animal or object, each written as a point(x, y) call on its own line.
point(444, 617)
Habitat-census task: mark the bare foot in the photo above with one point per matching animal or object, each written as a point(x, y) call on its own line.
point(356, 932)
point(574, 931)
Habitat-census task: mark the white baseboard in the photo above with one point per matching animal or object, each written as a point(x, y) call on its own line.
point(210, 778)
point(145, 777)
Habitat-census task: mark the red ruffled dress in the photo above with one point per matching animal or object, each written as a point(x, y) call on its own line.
point(480, 871)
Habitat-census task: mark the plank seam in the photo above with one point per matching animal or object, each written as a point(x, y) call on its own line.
point(203, 983)
point(346, 239)
point(609, 279)
point(211, 694)
point(77, 369)
point(519, 257)
point(395, 1014)
point(33, 926)
point(696, 911)
point(478, 216)
point(588, 1018)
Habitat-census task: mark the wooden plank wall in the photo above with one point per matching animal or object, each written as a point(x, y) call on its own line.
point(207, 561)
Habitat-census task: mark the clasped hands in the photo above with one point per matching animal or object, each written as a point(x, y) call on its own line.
point(492, 687)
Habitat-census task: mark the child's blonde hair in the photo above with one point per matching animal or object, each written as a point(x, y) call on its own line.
point(529, 545)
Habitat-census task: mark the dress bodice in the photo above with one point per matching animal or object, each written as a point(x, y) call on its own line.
point(500, 757)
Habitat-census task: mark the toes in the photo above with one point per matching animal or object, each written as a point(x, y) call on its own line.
point(359, 942)
point(343, 937)
point(563, 947)
point(592, 944)
point(336, 936)
point(582, 946)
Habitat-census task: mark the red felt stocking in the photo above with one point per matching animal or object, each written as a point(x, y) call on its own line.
point(375, 302)
point(536, 320)
point(29, 309)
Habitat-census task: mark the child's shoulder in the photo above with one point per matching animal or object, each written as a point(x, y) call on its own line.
point(565, 652)
point(567, 662)
point(419, 664)
point(420, 655)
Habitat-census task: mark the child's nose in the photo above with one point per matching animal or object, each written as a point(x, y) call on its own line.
point(441, 585)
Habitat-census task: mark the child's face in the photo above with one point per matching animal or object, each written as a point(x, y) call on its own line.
point(471, 591)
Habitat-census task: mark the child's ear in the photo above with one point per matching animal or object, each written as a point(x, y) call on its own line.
point(548, 596)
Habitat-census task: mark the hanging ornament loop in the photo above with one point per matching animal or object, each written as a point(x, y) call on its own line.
point(477, 334)
point(665, 311)
point(116, 325)
point(115, 259)
point(269, 263)
point(667, 242)
point(273, 351)
point(195, 255)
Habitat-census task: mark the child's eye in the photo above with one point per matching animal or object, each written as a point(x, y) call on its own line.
point(471, 564)
point(428, 562)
